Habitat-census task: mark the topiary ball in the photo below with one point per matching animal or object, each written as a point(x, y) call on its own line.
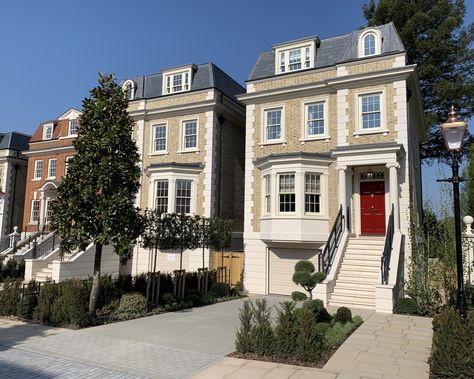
point(298, 296)
point(343, 315)
point(304, 266)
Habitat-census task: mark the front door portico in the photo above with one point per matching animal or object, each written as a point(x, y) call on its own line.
point(372, 207)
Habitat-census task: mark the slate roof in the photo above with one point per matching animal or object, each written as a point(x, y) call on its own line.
point(205, 76)
point(332, 51)
point(14, 141)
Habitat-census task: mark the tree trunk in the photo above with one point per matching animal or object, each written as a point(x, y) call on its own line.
point(96, 280)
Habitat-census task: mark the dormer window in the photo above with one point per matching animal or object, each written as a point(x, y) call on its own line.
point(369, 43)
point(129, 88)
point(72, 127)
point(48, 131)
point(177, 82)
point(294, 57)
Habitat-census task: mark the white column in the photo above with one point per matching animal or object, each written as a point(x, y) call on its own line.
point(349, 191)
point(394, 196)
point(42, 208)
point(342, 186)
point(469, 274)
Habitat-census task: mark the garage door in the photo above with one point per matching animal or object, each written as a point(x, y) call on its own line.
point(282, 266)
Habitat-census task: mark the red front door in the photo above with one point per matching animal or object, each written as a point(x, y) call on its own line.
point(372, 207)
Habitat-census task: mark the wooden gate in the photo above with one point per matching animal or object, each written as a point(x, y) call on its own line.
point(234, 262)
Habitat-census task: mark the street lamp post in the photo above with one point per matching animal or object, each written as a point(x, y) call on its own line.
point(453, 132)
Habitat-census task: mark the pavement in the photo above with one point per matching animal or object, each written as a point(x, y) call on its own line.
point(194, 343)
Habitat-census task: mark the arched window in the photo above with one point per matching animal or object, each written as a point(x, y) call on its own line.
point(129, 88)
point(369, 44)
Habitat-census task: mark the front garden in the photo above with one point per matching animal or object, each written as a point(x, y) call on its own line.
point(305, 335)
point(66, 304)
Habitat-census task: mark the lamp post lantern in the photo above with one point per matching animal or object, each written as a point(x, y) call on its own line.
point(453, 132)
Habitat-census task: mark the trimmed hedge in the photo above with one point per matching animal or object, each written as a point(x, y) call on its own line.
point(132, 305)
point(453, 345)
point(343, 315)
point(406, 306)
point(10, 297)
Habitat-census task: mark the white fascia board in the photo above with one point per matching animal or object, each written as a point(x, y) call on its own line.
point(62, 149)
point(175, 110)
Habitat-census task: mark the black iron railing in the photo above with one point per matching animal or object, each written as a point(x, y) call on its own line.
point(387, 249)
point(45, 246)
point(348, 219)
point(327, 256)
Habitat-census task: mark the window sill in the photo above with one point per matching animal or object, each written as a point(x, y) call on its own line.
point(50, 178)
point(374, 131)
point(268, 143)
point(36, 179)
point(69, 136)
point(318, 138)
point(180, 152)
point(306, 216)
point(157, 153)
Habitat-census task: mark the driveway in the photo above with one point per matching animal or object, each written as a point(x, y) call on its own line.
point(169, 345)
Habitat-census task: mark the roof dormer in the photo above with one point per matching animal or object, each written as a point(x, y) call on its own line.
point(370, 43)
point(178, 79)
point(295, 55)
point(129, 88)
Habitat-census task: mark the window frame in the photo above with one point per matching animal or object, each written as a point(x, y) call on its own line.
point(69, 127)
point(318, 194)
point(305, 136)
point(279, 193)
point(377, 41)
point(267, 195)
point(282, 56)
point(153, 138)
point(32, 220)
point(129, 85)
point(359, 130)
point(50, 161)
point(264, 134)
point(66, 164)
point(48, 136)
point(169, 79)
point(38, 162)
point(157, 197)
point(183, 148)
point(190, 189)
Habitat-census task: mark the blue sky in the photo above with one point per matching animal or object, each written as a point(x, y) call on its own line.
point(51, 51)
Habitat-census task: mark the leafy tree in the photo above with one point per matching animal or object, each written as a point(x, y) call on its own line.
point(306, 277)
point(220, 234)
point(467, 189)
point(436, 40)
point(95, 202)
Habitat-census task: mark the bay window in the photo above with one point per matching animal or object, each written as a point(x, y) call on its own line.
point(183, 196)
point(312, 193)
point(161, 202)
point(286, 193)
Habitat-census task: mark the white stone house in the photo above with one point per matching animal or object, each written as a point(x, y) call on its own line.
point(333, 129)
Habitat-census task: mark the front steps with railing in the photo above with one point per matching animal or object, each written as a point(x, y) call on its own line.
point(46, 274)
point(359, 273)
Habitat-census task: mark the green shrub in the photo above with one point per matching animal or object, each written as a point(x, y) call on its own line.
point(343, 315)
point(406, 306)
point(322, 327)
point(30, 301)
point(193, 300)
point(234, 292)
point(206, 300)
point(310, 344)
point(109, 308)
point(219, 289)
point(243, 340)
point(304, 266)
point(320, 313)
point(262, 331)
point(132, 305)
point(298, 296)
point(71, 307)
point(169, 298)
point(10, 297)
point(338, 333)
point(285, 330)
point(357, 321)
point(124, 283)
point(140, 283)
point(48, 296)
point(108, 291)
point(453, 345)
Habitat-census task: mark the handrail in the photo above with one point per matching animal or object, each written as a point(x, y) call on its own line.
point(332, 243)
point(21, 244)
point(387, 249)
point(46, 246)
